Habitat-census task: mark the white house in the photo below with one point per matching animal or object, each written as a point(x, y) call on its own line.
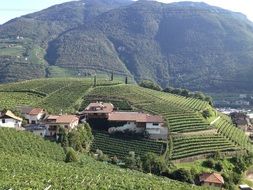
point(33, 115)
point(139, 122)
point(8, 119)
point(54, 122)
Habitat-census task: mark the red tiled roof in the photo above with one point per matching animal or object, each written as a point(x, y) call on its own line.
point(36, 111)
point(31, 111)
point(211, 178)
point(99, 107)
point(62, 119)
point(66, 119)
point(135, 116)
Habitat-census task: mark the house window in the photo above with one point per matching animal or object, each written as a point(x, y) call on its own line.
point(33, 122)
point(3, 120)
point(155, 124)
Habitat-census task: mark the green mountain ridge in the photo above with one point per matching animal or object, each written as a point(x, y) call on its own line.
point(190, 45)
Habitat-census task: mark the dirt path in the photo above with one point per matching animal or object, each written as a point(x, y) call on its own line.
point(249, 176)
point(211, 131)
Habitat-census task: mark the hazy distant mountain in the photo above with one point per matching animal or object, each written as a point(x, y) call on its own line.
point(185, 44)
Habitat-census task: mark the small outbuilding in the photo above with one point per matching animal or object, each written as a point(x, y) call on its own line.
point(211, 179)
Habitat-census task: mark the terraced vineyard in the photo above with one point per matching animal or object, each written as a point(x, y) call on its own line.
point(29, 162)
point(120, 147)
point(236, 135)
point(52, 94)
point(186, 146)
point(20, 142)
point(180, 113)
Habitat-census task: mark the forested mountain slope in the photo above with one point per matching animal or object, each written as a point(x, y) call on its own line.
point(191, 45)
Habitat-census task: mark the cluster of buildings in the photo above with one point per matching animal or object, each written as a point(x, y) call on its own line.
point(38, 121)
point(133, 122)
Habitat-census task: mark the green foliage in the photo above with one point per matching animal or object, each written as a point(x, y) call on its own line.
point(207, 113)
point(71, 155)
point(210, 163)
point(218, 166)
point(133, 162)
point(101, 156)
point(154, 164)
point(79, 139)
point(150, 84)
point(182, 175)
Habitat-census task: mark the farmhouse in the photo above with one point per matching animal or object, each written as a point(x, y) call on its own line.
point(211, 179)
point(98, 110)
point(54, 122)
point(33, 115)
point(104, 114)
point(139, 123)
point(8, 119)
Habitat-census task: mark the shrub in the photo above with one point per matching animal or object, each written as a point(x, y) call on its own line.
point(101, 156)
point(150, 84)
point(218, 166)
point(182, 175)
point(71, 155)
point(207, 113)
point(209, 163)
point(153, 163)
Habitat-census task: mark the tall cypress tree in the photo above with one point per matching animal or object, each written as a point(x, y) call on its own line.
point(95, 81)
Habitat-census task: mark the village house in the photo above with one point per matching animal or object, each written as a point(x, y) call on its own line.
point(54, 122)
point(8, 119)
point(33, 115)
point(139, 123)
point(97, 110)
point(211, 179)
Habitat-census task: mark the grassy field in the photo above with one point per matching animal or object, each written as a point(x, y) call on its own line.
point(187, 127)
